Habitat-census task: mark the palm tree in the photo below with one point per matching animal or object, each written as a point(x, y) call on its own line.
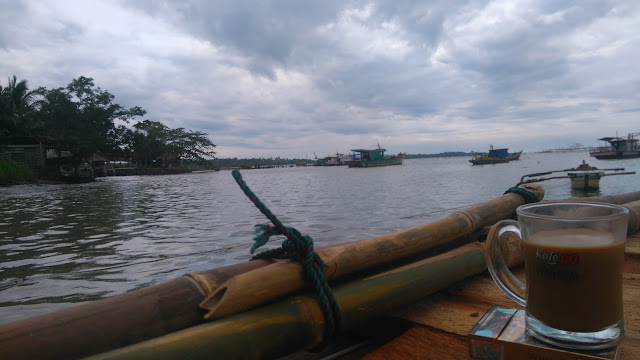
point(16, 107)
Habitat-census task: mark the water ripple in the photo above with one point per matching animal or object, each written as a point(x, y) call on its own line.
point(66, 244)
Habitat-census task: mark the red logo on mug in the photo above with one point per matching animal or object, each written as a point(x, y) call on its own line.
point(568, 259)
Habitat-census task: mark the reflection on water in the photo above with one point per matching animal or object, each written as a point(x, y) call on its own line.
point(580, 193)
point(67, 244)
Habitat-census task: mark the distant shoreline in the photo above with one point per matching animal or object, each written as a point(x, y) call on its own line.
point(444, 154)
point(48, 178)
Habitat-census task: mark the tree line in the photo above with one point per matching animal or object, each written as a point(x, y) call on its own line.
point(235, 162)
point(84, 119)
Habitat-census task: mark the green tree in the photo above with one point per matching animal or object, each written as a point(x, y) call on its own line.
point(151, 139)
point(17, 109)
point(83, 116)
point(190, 146)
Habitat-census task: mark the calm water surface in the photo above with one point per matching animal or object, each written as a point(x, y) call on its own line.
point(62, 245)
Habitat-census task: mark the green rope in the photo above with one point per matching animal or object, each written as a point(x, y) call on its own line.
point(299, 248)
point(528, 196)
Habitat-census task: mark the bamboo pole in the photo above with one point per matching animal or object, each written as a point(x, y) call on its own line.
point(609, 199)
point(633, 225)
point(297, 323)
point(147, 313)
point(112, 322)
point(253, 288)
point(165, 308)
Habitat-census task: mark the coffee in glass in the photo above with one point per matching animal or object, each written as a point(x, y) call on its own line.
point(574, 257)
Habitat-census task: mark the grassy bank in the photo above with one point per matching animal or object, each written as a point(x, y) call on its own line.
point(12, 173)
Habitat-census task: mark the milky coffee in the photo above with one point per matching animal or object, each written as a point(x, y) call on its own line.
point(573, 279)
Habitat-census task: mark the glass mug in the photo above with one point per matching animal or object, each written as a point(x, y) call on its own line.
point(573, 259)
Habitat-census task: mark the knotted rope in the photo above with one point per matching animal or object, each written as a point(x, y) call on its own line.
point(300, 248)
point(528, 196)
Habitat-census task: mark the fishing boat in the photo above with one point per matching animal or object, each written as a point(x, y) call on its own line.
point(415, 293)
point(586, 179)
point(361, 158)
point(583, 177)
point(495, 156)
point(338, 159)
point(617, 148)
point(333, 160)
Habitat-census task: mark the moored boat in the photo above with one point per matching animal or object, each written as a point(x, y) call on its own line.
point(373, 158)
point(495, 156)
point(583, 177)
point(618, 148)
point(333, 160)
point(338, 159)
point(80, 173)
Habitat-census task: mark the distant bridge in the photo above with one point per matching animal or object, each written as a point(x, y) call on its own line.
point(570, 149)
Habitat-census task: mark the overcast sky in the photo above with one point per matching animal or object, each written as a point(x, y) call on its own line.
point(290, 78)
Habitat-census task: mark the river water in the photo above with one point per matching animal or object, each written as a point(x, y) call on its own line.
point(61, 245)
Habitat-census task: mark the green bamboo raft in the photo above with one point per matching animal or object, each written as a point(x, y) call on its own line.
point(262, 309)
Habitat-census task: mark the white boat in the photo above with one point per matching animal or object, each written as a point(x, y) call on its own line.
point(333, 160)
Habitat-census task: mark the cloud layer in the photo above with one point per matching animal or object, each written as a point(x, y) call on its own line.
point(290, 78)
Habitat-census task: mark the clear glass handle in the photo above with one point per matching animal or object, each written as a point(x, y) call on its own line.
point(504, 278)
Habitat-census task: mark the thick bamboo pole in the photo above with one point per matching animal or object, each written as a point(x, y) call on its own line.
point(161, 309)
point(297, 323)
point(250, 289)
point(112, 322)
point(612, 199)
point(633, 225)
point(143, 314)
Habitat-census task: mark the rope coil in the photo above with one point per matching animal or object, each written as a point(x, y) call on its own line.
point(297, 247)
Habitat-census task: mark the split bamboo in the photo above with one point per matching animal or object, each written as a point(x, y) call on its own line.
point(268, 283)
point(165, 308)
point(297, 323)
point(112, 322)
point(253, 288)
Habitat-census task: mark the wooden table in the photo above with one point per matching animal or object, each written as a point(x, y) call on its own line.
point(441, 322)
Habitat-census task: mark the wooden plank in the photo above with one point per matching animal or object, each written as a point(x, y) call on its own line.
point(458, 308)
point(443, 320)
point(633, 245)
point(422, 342)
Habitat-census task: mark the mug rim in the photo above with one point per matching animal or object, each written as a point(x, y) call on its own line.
point(618, 211)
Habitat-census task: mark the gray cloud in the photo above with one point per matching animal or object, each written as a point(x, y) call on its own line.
point(289, 78)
